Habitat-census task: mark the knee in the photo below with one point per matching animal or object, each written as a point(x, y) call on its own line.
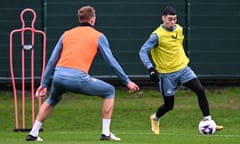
point(169, 106)
point(110, 93)
point(53, 101)
point(112, 90)
point(200, 92)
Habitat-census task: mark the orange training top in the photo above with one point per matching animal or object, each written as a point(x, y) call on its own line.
point(79, 47)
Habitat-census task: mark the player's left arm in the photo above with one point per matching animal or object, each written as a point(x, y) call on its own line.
point(108, 57)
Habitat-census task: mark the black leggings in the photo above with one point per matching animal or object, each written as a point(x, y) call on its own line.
point(196, 86)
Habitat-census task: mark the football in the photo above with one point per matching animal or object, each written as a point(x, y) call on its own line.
point(207, 127)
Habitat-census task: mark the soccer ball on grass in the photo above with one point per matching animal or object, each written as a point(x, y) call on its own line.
point(207, 127)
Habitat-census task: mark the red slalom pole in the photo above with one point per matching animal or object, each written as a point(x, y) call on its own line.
point(26, 47)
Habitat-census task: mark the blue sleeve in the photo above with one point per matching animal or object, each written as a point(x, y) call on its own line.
point(108, 57)
point(52, 63)
point(144, 52)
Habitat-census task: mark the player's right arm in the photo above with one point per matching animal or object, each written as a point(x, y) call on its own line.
point(52, 63)
point(145, 50)
point(42, 89)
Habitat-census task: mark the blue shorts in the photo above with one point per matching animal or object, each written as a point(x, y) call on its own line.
point(168, 83)
point(73, 80)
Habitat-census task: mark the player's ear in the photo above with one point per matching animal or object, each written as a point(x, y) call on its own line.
point(163, 18)
point(92, 20)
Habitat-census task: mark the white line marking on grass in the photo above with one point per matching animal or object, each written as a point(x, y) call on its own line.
point(187, 134)
point(148, 133)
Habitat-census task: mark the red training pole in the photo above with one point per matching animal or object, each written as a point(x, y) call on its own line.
point(26, 47)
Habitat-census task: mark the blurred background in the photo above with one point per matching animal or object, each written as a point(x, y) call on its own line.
point(211, 29)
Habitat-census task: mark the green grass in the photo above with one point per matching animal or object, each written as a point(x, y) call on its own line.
point(77, 119)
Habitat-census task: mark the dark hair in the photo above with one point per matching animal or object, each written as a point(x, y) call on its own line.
point(169, 10)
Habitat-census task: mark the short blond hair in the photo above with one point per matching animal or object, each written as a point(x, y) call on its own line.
point(85, 13)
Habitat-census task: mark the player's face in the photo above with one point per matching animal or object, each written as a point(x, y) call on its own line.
point(169, 20)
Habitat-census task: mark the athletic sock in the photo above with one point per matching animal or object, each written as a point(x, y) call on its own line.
point(106, 126)
point(155, 117)
point(36, 127)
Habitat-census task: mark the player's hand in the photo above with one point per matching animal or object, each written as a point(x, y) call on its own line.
point(153, 75)
point(132, 86)
point(41, 91)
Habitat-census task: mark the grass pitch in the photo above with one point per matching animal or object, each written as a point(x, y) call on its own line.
point(77, 119)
